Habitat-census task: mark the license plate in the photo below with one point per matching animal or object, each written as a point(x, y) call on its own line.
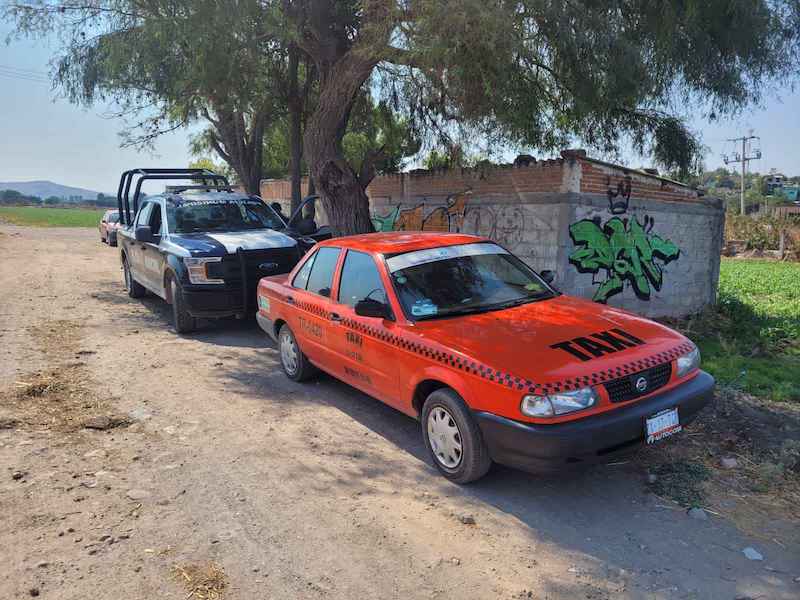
point(662, 425)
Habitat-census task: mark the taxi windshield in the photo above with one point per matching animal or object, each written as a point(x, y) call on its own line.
point(228, 215)
point(463, 279)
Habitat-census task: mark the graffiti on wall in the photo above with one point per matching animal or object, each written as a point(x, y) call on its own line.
point(442, 218)
point(619, 251)
point(619, 197)
point(502, 223)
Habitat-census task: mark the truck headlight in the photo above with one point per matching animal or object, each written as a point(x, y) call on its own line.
point(558, 404)
point(688, 362)
point(198, 269)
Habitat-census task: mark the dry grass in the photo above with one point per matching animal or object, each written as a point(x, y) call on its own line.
point(59, 398)
point(205, 581)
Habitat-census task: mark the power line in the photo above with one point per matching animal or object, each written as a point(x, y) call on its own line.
point(22, 78)
point(743, 158)
point(23, 71)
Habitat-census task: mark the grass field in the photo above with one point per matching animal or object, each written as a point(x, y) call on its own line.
point(51, 217)
point(751, 341)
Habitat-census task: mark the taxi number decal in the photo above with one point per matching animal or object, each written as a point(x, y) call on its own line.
point(354, 355)
point(354, 338)
point(604, 342)
point(357, 375)
point(310, 327)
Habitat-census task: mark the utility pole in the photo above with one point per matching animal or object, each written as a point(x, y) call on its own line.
point(744, 159)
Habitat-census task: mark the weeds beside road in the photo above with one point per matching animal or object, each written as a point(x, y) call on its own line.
point(36, 216)
point(751, 340)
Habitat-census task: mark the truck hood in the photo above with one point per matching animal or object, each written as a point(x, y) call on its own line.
point(222, 243)
point(557, 340)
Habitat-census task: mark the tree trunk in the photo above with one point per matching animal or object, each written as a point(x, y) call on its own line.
point(295, 127)
point(243, 150)
point(343, 195)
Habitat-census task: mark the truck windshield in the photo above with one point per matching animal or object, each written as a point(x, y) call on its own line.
point(228, 215)
point(464, 279)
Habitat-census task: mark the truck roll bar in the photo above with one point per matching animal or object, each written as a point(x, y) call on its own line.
point(123, 191)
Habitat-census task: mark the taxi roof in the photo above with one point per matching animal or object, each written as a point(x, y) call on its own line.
point(397, 242)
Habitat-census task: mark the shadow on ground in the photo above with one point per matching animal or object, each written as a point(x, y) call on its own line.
point(604, 512)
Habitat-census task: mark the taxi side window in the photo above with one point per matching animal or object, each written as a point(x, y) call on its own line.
point(360, 280)
point(321, 276)
point(301, 279)
point(316, 274)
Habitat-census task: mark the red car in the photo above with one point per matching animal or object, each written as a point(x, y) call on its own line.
point(496, 364)
point(109, 225)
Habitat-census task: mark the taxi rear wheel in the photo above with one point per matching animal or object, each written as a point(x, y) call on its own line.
point(453, 438)
point(294, 362)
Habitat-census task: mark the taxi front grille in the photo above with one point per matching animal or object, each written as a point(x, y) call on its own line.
point(624, 388)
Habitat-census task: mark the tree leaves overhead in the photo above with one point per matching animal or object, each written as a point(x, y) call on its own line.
point(540, 73)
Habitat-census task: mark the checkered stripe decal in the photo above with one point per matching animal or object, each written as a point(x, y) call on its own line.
point(442, 355)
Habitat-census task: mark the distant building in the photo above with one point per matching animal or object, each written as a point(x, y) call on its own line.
point(773, 183)
point(791, 192)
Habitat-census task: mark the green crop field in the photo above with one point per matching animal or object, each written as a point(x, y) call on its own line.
point(751, 340)
point(51, 217)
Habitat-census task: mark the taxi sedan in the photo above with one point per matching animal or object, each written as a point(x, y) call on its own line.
point(496, 364)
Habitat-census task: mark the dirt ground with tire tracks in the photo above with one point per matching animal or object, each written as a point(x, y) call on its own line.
point(206, 473)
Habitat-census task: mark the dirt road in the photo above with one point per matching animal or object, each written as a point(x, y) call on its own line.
point(207, 458)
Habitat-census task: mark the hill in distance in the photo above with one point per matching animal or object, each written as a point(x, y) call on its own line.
point(46, 189)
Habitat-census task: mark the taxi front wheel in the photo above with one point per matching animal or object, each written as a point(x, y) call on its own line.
point(294, 362)
point(453, 438)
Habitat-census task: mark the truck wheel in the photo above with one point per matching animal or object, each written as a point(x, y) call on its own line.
point(453, 438)
point(135, 289)
point(183, 321)
point(294, 362)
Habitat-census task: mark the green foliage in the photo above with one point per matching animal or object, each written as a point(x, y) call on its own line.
point(15, 197)
point(50, 217)
point(204, 162)
point(750, 340)
point(375, 132)
point(539, 74)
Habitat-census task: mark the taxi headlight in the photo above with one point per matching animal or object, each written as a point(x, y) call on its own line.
point(688, 362)
point(197, 268)
point(555, 405)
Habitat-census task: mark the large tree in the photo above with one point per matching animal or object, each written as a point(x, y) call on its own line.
point(530, 73)
point(169, 63)
point(536, 73)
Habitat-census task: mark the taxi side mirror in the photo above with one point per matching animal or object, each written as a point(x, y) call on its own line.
point(548, 275)
point(371, 308)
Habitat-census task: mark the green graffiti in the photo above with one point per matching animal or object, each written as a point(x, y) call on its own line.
point(626, 250)
point(386, 222)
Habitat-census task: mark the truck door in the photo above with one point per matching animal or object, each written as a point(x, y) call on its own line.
point(135, 253)
point(365, 360)
point(152, 256)
point(311, 304)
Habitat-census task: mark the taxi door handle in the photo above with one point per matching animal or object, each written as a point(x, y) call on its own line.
point(335, 317)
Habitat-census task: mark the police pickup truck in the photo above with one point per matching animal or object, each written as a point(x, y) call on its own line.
point(202, 247)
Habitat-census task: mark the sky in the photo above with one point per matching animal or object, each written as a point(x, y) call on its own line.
point(43, 137)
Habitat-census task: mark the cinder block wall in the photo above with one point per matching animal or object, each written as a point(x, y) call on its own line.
point(621, 236)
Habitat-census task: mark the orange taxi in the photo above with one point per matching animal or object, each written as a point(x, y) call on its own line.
point(496, 364)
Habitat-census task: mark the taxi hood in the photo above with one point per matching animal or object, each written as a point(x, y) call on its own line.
point(553, 340)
